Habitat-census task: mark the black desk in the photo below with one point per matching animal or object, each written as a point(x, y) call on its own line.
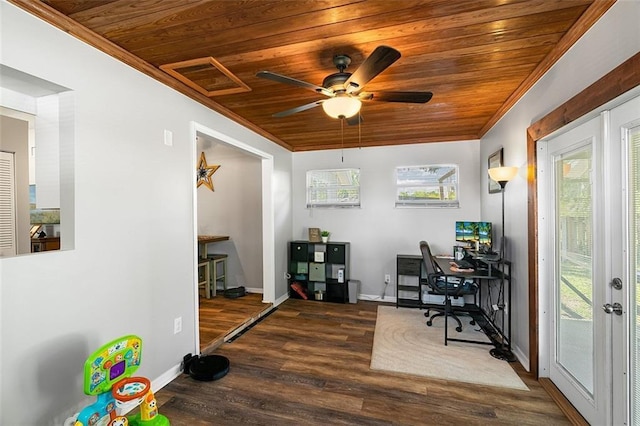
point(496, 273)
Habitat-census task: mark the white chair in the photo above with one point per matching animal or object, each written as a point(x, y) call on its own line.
point(219, 269)
point(204, 278)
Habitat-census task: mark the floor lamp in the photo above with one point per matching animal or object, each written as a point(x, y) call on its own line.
point(502, 175)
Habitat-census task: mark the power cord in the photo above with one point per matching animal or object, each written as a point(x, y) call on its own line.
point(384, 290)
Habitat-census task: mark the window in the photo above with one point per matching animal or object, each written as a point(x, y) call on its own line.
point(333, 188)
point(427, 186)
point(40, 115)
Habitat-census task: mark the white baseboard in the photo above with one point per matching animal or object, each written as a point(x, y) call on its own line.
point(522, 357)
point(280, 300)
point(377, 298)
point(167, 377)
point(369, 297)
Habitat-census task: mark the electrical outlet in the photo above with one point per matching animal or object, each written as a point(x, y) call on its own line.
point(168, 137)
point(177, 325)
point(387, 278)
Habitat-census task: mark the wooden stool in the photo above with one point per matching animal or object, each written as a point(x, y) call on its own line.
point(219, 274)
point(204, 281)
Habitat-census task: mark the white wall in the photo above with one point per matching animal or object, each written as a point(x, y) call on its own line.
point(234, 209)
point(132, 268)
point(47, 173)
point(378, 231)
point(611, 41)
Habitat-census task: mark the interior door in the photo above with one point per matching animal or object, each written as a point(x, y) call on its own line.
point(590, 181)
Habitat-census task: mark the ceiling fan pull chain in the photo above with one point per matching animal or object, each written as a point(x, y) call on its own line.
point(342, 133)
point(359, 130)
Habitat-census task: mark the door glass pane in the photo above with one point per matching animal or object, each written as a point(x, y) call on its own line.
point(634, 263)
point(574, 307)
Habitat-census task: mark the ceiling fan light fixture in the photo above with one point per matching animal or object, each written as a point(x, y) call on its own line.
point(341, 106)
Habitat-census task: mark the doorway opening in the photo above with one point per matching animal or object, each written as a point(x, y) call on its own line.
point(264, 231)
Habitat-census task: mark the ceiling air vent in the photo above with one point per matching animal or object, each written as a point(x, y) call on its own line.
point(207, 76)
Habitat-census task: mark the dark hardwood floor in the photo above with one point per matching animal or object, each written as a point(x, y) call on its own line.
point(220, 316)
point(307, 363)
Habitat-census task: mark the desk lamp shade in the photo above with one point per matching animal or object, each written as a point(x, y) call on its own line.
point(341, 106)
point(502, 175)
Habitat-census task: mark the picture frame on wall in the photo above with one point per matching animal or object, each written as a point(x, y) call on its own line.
point(495, 160)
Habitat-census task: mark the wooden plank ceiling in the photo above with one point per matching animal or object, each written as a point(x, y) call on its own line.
point(477, 57)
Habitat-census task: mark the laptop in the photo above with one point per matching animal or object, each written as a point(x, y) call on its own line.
point(494, 256)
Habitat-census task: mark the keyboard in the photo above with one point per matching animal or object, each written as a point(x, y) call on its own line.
point(463, 264)
point(492, 257)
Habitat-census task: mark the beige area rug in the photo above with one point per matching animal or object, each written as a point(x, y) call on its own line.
point(404, 344)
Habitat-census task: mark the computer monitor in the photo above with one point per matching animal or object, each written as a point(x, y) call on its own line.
point(465, 232)
point(470, 232)
point(484, 233)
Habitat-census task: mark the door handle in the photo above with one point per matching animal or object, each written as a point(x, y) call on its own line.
point(616, 283)
point(616, 308)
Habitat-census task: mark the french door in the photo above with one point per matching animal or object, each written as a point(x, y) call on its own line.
point(625, 130)
point(589, 180)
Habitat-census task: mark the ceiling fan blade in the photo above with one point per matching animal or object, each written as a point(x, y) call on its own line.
point(355, 120)
point(298, 109)
point(408, 97)
point(294, 82)
point(381, 58)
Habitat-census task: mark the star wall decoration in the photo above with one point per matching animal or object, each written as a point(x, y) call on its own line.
point(204, 172)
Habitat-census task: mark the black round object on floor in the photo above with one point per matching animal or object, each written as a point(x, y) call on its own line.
point(209, 367)
point(503, 354)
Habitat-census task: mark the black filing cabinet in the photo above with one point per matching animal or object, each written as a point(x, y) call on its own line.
point(409, 271)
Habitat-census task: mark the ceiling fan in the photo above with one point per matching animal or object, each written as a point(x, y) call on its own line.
point(344, 90)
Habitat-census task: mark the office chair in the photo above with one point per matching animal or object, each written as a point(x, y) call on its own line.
point(450, 287)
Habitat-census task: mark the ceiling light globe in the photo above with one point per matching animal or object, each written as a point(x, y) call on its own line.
point(341, 106)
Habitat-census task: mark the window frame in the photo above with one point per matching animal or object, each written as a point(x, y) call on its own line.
point(334, 202)
point(426, 202)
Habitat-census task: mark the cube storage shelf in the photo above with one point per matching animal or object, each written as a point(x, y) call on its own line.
point(319, 271)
